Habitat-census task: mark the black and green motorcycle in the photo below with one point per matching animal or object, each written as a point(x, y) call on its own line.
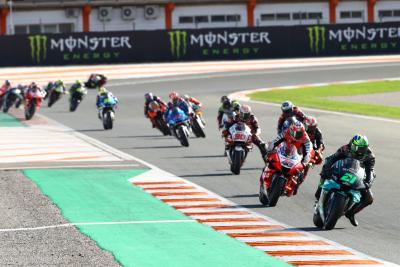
point(339, 193)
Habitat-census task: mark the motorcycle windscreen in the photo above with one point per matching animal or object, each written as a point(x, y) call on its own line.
point(288, 155)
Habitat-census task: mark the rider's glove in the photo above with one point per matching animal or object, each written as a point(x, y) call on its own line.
point(367, 185)
point(270, 147)
point(306, 159)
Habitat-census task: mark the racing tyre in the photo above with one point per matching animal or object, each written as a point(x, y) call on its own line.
point(52, 99)
point(317, 220)
point(108, 120)
point(197, 128)
point(261, 195)
point(237, 159)
point(275, 190)
point(73, 105)
point(183, 137)
point(334, 210)
point(30, 110)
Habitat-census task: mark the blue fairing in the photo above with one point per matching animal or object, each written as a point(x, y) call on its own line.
point(176, 115)
point(107, 101)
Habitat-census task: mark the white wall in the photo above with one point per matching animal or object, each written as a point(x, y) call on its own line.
point(118, 24)
point(290, 8)
point(43, 17)
point(352, 6)
point(209, 10)
point(386, 5)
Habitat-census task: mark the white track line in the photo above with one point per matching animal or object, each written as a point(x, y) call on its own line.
point(92, 223)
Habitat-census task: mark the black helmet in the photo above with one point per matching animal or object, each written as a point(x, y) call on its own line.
point(223, 98)
point(148, 96)
point(7, 83)
point(226, 104)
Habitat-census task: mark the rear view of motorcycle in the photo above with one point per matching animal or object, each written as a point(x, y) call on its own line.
point(55, 94)
point(238, 146)
point(180, 126)
point(339, 193)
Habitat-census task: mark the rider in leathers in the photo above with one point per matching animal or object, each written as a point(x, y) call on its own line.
point(245, 115)
point(288, 111)
point(149, 97)
point(297, 136)
point(358, 148)
point(227, 106)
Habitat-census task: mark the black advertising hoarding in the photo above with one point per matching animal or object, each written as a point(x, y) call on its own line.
point(198, 45)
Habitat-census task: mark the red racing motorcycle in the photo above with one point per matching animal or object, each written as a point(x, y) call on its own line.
point(33, 100)
point(281, 175)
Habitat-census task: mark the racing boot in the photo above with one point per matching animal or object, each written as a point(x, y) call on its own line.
point(351, 218)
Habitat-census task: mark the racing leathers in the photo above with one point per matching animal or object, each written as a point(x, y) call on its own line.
point(252, 123)
point(147, 109)
point(295, 112)
point(317, 143)
point(367, 162)
point(303, 146)
point(234, 107)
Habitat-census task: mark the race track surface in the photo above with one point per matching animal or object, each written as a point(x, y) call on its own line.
point(379, 232)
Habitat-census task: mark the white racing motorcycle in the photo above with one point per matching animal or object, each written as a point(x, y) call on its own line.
point(238, 145)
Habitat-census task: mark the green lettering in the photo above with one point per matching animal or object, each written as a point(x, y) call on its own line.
point(393, 44)
point(106, 55)
point(256, 49)
point(76, 56)
point(246, 51)
point(384, 45)
point(364, 46)
point(66, 56)
point(354, 47)
point(86, 56)
point(205, 52)
point(343, 47)
point(226, 51)
point(116, 54)
point(96, 56)
point(374, 45)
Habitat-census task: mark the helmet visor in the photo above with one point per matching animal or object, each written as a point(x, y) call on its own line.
point(358, 151)
point(296, 134)
point(244, 116)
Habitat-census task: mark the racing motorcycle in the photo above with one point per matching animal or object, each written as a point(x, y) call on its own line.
point(33, 100)
point(179, 124)
point(238, 145)
point(13, 96)
point(281, 175)
point(196, 122)
point(339, 193)
point(107, 111)
point(76, 97)
point(155, 114)
point(55, 94)
point(95, 81)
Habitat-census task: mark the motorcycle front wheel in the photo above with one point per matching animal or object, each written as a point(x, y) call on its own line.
point(334, 209)
point(275, 190)
point(107, 120)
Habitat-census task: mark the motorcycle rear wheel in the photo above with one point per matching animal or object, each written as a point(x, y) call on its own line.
point(30, 110)
point(107, 120)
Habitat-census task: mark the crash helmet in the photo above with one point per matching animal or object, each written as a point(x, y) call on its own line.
point(102, 91)
point(148, 96)
point(175, 101)
point(223, 98)
point(226, 104)
point(287, 107)
point(78, 82)
point(186, 97)
point(7, 83)
point(173, 95)
point(33, 85)
point(244, 112)
point(296, 130)
point(359, 146)
point(310, 124)
point(59, 82)
point(20, 86)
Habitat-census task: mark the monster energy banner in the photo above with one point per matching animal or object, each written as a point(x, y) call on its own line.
point(204, 44)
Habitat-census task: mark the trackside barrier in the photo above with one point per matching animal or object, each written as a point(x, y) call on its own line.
point(198, 45)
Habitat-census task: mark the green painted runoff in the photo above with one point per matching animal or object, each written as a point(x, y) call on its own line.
point(98, 195)
point(7, 120)
point(318, 97)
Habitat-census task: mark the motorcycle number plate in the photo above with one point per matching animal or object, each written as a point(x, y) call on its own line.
point(239, 137)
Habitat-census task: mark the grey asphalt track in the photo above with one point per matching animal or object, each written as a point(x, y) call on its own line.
point(379, 231)
point(23, 205)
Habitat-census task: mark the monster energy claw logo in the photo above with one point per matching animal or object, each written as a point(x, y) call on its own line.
point(316, 35)
point(178, 43)
point(38, 44)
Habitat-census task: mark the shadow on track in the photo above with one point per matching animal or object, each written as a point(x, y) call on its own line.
point(310, 229)
point(149, 147)
point(239, 196)
point(200, 157)
point(91, 130)
point(205, 175)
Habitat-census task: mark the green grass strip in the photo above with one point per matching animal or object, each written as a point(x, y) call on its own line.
point(7, 120)
point(318, 97)
point(106, 196)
